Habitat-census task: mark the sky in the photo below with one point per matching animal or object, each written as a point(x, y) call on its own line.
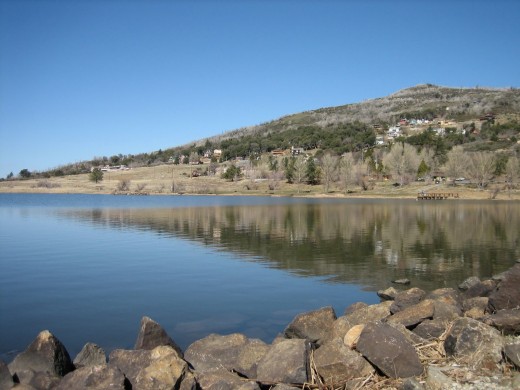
point(89, 78)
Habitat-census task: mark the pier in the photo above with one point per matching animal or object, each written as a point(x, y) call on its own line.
point(437, 195)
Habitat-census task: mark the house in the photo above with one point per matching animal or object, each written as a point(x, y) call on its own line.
point(380, 140)
point(217, 153)
point(296, 151)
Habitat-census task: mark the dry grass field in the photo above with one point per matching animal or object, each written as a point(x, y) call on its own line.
point(177, 179)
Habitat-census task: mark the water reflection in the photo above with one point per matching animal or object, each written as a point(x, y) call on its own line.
point(369, 243)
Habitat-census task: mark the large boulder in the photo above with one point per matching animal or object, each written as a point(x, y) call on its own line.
point(152, 335)
point(388, 295)
point(313, 326)
point(368, 314)
point(90, 355)
point(507, 293)
point(285, 362)
point(6, 379)
point(336, 363)
point(159, 368)
point(480, 289)
point(430, 329)
point(232, 352)
point(413, 315)
point(407, 298)
point(355, 306)
point(506, 321)
point(474, 343)
point(512, 352)
point(388, 350)
point(93, 377)
point(45, 354)
point(37, 380)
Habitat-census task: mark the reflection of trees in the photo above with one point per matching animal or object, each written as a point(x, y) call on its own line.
point(368, 242)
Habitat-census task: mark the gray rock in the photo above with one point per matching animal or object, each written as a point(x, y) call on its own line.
point(37, 380)
point(313, 326)
point(413, 315)
point(6, 380)
point(401, 281)
point(388, 295)
point(45, 354)
point(355, 306)
point(431, 329)
point(438, 380)
point(152, 335)
point(90, 355)
point(506, 321)
point(336, 363)
point(475, 343)
point(410, 336)
point(446, 295)
point(232, 352)
point(507, 293)
point(93, 377)
point(370, 313)
point(477, 302)
point(387, 349)
point(286, 362)
point(407, 298)
point(444, 311)
point(159, 368)
point(512, 352)
point(222, 379)
point(283, 386)
point(340, 327)
point(481, 289)
point(411, 384)
point(468, 283)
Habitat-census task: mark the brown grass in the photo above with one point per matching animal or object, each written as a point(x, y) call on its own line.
point(160, 179)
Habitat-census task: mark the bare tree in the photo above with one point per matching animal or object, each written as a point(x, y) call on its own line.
point(329, 166)
point(482, 167)
point(346, 170)
point(300, 171)
point(402, 161)
point(512, 169)
point(457, 164)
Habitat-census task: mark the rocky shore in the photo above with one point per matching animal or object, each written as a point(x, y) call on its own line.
point(443, 339)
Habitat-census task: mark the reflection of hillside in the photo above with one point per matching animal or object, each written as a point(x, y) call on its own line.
point(363, 242)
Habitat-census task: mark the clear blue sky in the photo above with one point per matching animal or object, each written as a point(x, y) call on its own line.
point(87, 78)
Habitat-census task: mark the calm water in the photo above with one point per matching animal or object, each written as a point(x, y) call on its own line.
point(88, 267)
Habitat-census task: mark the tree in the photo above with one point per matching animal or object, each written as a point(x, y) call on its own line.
point(288, 166)
point(457, 164)
point(402, 161)
point(346, 166)
point(25, 173)
point(511, 172)
point(482, 167)
point(329, 165)
point(312, 172)
point(232, 173)
point(96, 175)
point(10, 175)
point(300, 171)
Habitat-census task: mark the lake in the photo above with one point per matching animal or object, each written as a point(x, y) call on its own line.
point(88, 267)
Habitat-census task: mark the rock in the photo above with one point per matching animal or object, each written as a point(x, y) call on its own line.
point(352, 336)
point(46, 354)
point(430, 329)
point(355, 306)
point(232, 352)
point(480, 289)
point(446, 295)
point(507, 293)
point(474, 343)
point(477, 302)
point(222, 379)
point(336, 363)
point(407, 298)
point(93, 377)
point(411, 384)
point(283, 386)
point(437, 380)
point(413, 315)
point(411, 337)
point(388, 295)
point(444, 311)
point(387, 349)
point(37, 380)
point(506, 321)
point(287, 362)
point(159, 368)
point(6, 380)
point(340, 327)
point(313, 326)
point(368, 314)
point(476, 313)
point(152, 335)
point(90, 355)
point(468, 283)
point(512, 352)
point(403, 281)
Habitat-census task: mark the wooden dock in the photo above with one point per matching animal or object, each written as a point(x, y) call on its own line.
point(437, 195)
